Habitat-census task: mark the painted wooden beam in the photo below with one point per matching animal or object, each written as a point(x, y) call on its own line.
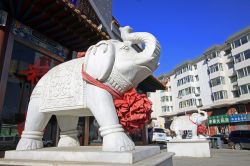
point(86, 131)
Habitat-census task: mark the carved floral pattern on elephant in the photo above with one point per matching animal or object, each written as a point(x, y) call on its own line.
point(63, 93)
point(63, 88)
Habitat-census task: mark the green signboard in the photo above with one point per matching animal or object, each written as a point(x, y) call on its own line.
point(220, 119)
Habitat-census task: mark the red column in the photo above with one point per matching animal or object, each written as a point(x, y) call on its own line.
point(86, 131)
point(2, 53)
point(2, 47)
point(6, 44)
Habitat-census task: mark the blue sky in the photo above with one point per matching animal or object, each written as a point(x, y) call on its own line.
point(185, 28)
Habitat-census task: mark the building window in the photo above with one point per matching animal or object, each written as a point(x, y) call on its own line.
point(185, 80)
point(196, 78)
point(237, 58)
point(198, 90)
point(162, 99)
point(240, 41)
point(163, 108)
point(184, 69)
point(214, 54)
point(217, 81)
point(166, 98)
point(242, 56)
point(230, 65)
point(236, 93)
point(214, 68)
point(243, 72)
point(199, 102)
point(233, 79)
point(237, 43)
point(186, 91)
point(219, 95)
point(244, 89)
point(187, 103)
point(166, 108)
point(244, 40)
point(195, 66)
point(246, 54)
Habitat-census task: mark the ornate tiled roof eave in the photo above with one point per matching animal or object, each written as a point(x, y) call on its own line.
point(72, 27)
point(85, 19)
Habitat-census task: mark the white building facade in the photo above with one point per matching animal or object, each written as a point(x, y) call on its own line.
point(218, 82)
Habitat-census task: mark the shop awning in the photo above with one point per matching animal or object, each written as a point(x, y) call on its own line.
point(151, 84)
point(75, 27)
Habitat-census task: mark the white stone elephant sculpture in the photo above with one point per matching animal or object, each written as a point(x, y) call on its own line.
point(63, 92)
point(187, 122)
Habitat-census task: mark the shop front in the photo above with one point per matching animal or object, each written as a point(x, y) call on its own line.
point(31, 56)
point(224, 124)
point(35, 36)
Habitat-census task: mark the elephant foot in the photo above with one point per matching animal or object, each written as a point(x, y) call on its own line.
point(30, 140)
point(115, 140)
point(201, 137)
point(68, 139)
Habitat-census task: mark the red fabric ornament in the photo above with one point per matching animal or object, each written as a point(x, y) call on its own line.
point(36, 71)
point(133, 110)
point(201, 129)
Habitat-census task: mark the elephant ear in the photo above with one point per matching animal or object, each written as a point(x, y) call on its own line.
point(194, 117)
point(100, 60)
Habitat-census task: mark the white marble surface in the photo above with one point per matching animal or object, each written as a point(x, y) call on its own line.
point(63, 92)
point(91, 154)
point(189, 147)
point(188, 122)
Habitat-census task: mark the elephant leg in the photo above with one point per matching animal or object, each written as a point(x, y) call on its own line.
point(101, 104)
point(194, 132)
point(34, 125)
point(178, 133)
point(68, 134)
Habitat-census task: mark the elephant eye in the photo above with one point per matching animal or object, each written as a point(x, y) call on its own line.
point(125, 47)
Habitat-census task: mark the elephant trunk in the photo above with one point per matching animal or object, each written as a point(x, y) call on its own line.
point(151, 53)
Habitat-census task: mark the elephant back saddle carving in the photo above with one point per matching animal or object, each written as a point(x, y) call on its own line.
point(62, 88)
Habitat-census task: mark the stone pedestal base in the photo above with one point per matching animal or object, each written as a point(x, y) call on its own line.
point(189, 147)
point(87, 155)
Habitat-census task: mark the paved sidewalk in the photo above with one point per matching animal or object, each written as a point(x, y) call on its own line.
point(220, 157)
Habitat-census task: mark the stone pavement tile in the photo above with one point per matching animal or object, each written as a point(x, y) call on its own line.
point(220, 157)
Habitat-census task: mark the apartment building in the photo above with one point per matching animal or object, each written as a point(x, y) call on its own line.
point(218, 82)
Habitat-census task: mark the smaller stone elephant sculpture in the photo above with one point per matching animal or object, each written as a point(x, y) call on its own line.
point(187, 122)
point(63, 92)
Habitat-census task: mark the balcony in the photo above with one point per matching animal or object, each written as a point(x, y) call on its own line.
point(244, 80)
point(242, 64)
point(214, 61)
